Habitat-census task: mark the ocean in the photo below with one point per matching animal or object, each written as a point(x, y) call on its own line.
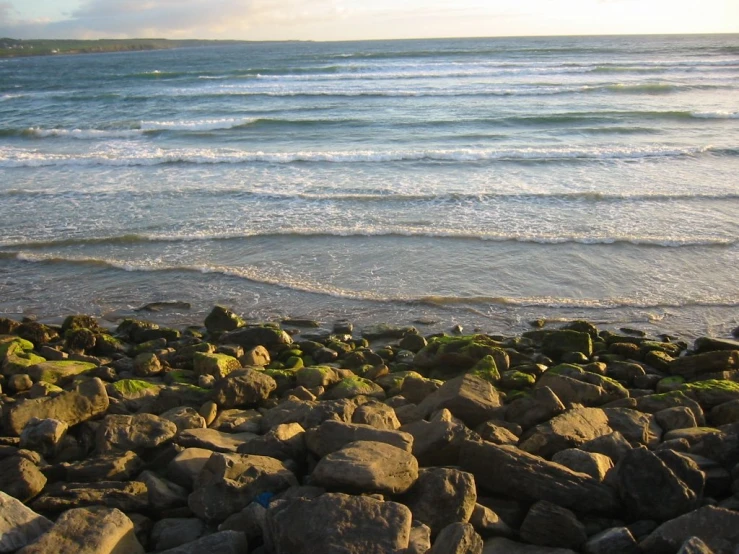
point(480, 182)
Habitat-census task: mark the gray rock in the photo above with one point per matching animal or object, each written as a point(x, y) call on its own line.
point(649, 489)
point(415, 389)
point(367, 466)
point(679, 417)
point(468, 397)
point(230, 482)
point(497, 434)
point(377, 415)
point(436, 442)
point(457, 538)
point(338, 524)
point(718, 528)
point(89, 399)
point(163, 494)
point(501, 545)
point(251, 337)
point(140, 431)
point(636, 427)
point(654, 403)
point(519, 474)
point(488, 523)
point(131, 496)
point(284, 442)
point(211, 439)
point(173, 532)
point(237, 421)
point(617, 540)
point(613, 445)
point(107, 467)
point(442, 496)
point(591, 463)
point(19, 525)
point(570, 429)
point(243, 388)
point(708, 362)
point(94, 530)
point(186, 466)
point(257, 356)
point(331, 436)
point(547, 524)
point(223, 542)
point(184, 417)
point(571, 391)
point(420, 539)
point(542, 405)
point(307, 413)
point(43, 436)
point(251, 521)
point(20, 478)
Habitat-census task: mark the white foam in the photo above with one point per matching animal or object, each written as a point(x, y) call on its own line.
point(196, 124)
point(84, 134)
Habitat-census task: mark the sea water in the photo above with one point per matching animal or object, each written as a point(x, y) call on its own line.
point(485, 182)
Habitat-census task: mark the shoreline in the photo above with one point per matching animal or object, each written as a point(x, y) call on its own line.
point(257, 438)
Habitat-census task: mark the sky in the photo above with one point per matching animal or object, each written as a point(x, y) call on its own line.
point(359, 19)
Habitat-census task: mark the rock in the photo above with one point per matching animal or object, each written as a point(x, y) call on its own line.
point(59, 372)
point(331, 436)
point(20, 478)
point(163, 494)
point(131, 496)
point(570, 429)
point(593, 464)
point(694, 546)
point(223, 542)
point(140, 431)
point(457, 538)
point(307, 413)
point(94, 530)
point(547, 524)
point(649, 489)
point(617, 540)
point(519, 474)
point(19, 525)
point(339, 524)
point(420, 539)
point(471, 399)
point(243, 388)
point(237, 421)
point(442, 496)
point(636, 427)
point(367, 466)
point(43, 436)
point(412, 342)
point(376, 414)
point(251, 521)
point(216, 365)
point(257, 356)
point(316, 376)
point(20, 382)
point(87, 400)
point(654, 403)
point(496, 434)
point(384, 331)
point(284, 442)
point(350, 387)
point(436, 442)
point(501, 545)
point(718, 528)
point(557, 343)
point(251, 337)
point(613, 445)
point(679, 417)
point(173, 532)
point(708, 362)
point(146, 364)
point(184, 418)
point(186, 466)
point(113, 467)
point(626, 372)
point(711, 393)
point(571, 391)
point(229, 482)
point(221, 319)
point(214, 440)
point(488, 523)
point(541, 405)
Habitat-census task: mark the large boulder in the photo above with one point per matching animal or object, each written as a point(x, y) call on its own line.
point(457, 538)
point(442, 496)
point(59, 372)
point(20, 478)
point(221, 319)
point(89, 399)
point(331, 436)
point(636, 427)
point(468, 397)
point(251, 337)
point(567, 430)
point(211, 439)
point(717, 527)
point(708, 362)
point(19, 525)
point(94, 530)
point(131, 496)
point(223, 542)
point(540, 406)
point(558, 343)
point(547, 524)
point(437, 442)
point(367, 466)
point(243, 388)
point(140, 431)
point(338, 524)
point(228, 483)
point(216, 365)
point(519, 474)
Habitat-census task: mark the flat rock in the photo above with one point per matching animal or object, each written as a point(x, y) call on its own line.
point(243, 388)
point(649, 489)
point(442, 496)
point(223, 542)
point(128, 496)
point(107, 467)
point(89, 399)
point(367, 466)
point(331, 436)
point(94, 530)
point(211, 439)
point(468, 397)
point(520, 474)
point(19, 525)
point(718, 528)
point(708, 362)
point(229, 482)
point(457, 538)
point(567, 430)
point(339, 524)
point(237, 421)
point(547, 524)
point(126, 432)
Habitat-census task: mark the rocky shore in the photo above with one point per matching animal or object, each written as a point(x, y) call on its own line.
point(291, 438)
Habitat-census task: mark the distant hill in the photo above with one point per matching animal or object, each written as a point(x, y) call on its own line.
point(10, 47)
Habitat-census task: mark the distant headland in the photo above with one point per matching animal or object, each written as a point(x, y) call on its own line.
point(11, 48)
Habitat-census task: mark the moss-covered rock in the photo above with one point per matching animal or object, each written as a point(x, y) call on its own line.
point(455, 354)
point(108, 345)
point(316, 376)
point(557, 343)
point(38, 333)
point(80, 339)
point(10, 344)
point(134, 388)
point(79, 322)
point(293, 363)
point(349, 387)
point(19, 362)
point(147, 364)
point(180, 376)
point(221, 320)
point(669, 384)
point(711, 393)
point(217, 365)
point(486, 369)
point(59, 372)
point(513, 379)
point(285, 378)
point(392, 383)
